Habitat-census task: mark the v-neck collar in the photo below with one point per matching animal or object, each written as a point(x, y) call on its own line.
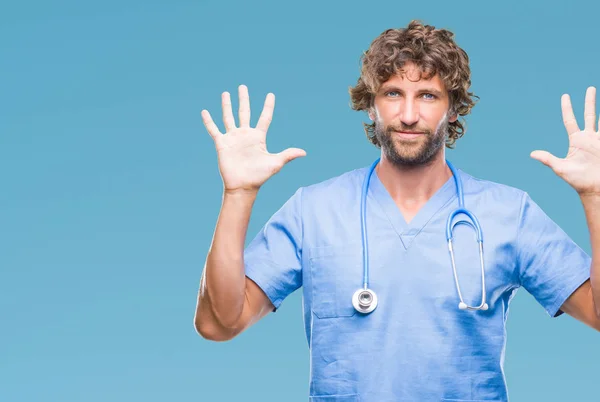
point(408, 231)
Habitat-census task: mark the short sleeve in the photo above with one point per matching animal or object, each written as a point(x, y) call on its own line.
point(551, 266)
point(273, 259)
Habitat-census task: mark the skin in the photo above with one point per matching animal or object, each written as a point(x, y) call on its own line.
point(406, 104)
point(581, 170)
point(412, 169)
point(228, 302)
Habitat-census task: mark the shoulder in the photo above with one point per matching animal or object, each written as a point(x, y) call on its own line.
point(339, 187)
point(497, 200)
point(491, 190)
point(331, 195)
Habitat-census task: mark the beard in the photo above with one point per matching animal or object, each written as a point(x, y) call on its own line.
point(411, 152)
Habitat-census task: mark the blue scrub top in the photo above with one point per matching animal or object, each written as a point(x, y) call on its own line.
point(416, 345)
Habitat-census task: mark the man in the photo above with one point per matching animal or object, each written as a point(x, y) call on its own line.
point(392, 311)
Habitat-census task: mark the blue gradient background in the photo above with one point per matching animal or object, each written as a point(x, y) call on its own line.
point(110, 190)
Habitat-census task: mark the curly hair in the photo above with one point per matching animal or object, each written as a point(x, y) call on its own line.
point(434, 52)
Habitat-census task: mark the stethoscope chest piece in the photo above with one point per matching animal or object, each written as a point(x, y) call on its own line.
point(364, 300)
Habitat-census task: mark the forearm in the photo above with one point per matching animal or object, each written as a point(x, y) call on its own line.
point(223, 287)
point(591, 206)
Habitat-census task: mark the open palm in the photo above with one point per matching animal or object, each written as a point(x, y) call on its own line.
point(244, 162)
point(581, 167)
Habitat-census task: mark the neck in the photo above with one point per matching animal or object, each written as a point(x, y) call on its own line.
point(413, 185)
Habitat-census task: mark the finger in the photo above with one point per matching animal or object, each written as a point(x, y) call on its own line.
point(266, 116)
point(546, 158)
point(244, 111)
point(291, 154)
point(589, 111)
point(228, 119)
point(568, 116)
point(210, 125)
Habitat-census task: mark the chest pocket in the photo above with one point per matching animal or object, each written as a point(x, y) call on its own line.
point(336, 273)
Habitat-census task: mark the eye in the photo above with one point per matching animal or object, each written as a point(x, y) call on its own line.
point(428, 96)
point(391, 93)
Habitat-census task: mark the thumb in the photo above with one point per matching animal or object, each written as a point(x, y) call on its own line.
point(291, 154)
point(546, 158)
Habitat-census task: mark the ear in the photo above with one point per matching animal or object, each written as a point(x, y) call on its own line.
point(371, 113)
point(453, 118)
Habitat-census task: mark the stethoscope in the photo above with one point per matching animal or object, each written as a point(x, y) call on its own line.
point(364, 299)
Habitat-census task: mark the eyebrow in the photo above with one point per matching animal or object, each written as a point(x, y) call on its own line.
point(432, 91)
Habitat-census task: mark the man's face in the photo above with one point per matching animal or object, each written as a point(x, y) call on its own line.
point(411, 117)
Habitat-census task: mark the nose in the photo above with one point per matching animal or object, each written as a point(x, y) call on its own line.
point(410, 112)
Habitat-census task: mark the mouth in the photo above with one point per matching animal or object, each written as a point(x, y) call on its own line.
point(408, 134)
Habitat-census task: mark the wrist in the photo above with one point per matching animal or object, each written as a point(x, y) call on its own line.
point(240, 193)
point(590, 198)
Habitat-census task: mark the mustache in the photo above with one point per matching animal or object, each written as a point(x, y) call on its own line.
point(412, 129)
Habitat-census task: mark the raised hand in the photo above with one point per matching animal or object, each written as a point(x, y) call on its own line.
point(581, 167)
point(244, 162)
